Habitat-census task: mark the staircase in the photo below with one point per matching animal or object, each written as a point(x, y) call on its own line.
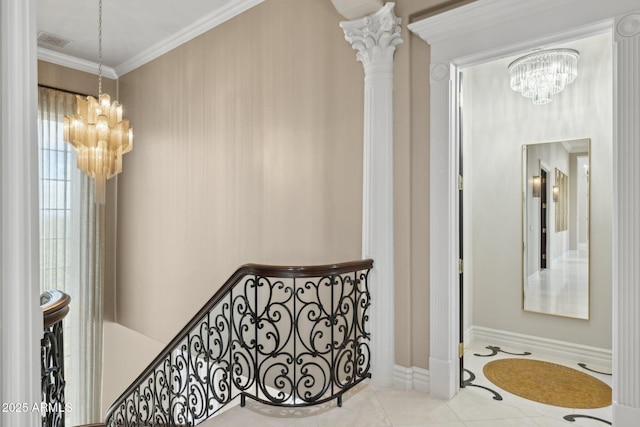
point(282, 336)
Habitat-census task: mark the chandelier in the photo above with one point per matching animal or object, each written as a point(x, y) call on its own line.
point(98, 132)
point(542, 74)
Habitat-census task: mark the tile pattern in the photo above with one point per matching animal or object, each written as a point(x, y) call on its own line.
point(368, 406)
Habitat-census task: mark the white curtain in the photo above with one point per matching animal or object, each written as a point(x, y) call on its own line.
point(72, 255)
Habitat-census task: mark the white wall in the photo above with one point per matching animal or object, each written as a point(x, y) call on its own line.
point(502, 121)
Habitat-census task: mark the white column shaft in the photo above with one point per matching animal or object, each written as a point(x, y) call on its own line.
point(375, 38)
point(626, 233)
point(443, 360)
point(377, 231)
point(20, 314)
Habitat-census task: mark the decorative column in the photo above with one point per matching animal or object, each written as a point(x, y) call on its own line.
point(375, 37)
point(21, 321)
point(626, 232)
point(444, 318)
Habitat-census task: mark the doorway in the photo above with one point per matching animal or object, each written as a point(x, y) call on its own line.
point(483, 30)
point(498, 123)
point(543, 218)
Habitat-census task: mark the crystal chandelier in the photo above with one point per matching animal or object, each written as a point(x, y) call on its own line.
point(98, 132)
point(542, 74)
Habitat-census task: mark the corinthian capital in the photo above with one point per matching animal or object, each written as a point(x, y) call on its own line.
point(375, 37)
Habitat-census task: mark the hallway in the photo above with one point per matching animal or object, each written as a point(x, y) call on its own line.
point(369, 406)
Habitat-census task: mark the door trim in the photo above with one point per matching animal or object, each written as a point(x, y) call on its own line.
point(484, 30)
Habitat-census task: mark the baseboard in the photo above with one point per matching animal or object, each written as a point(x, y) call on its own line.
point(625, 416)
point(420, 379)
point(538, 345)
point(402, 378)
point(413, 378)
point(443, 378)
point(469, 337)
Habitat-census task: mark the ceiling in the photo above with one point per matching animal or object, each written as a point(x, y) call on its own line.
point(133, 31)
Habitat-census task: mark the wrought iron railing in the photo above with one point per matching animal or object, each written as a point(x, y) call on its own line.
point(55, 306)
point(285, 336)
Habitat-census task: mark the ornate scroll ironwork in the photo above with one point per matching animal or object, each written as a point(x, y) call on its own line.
point(55, 306)
point(52, 372)
point(284, 336)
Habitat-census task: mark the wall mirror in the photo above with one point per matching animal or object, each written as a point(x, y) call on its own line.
point(555, 221)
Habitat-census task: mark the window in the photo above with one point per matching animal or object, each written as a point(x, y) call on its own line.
point(55, 206)
point(71, 257)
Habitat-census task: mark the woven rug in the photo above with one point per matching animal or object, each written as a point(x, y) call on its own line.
point(548, 383)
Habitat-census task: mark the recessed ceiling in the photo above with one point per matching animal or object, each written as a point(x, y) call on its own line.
point(133, 31)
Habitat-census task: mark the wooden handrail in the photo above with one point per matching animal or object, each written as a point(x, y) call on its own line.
point(245, 270)
point(54, 305)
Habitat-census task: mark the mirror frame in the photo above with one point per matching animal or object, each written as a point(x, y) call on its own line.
point(526, 186)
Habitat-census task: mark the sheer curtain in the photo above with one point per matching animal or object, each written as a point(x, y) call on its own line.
point(71, 254)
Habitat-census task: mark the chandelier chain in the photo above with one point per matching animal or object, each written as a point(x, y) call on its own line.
point(98, 132)
point(99, 47)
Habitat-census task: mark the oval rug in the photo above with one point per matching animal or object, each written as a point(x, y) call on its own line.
point(548, 383)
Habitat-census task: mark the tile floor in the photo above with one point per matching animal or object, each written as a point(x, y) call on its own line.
point(368, 406)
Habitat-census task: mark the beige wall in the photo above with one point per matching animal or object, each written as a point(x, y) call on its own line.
point(278, 89)
point(411, 196)
point(411, 185)
point(247, 148)
point(497, 122)
point(71, 80)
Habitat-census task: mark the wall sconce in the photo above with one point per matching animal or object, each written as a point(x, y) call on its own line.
point(556, 193)
point(536, 184)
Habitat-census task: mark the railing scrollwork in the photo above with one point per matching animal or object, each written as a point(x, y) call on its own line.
point(55, 306)
point(284, 336)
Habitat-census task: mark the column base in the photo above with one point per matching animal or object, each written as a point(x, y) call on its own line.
point(442, 378)
point(625, 416)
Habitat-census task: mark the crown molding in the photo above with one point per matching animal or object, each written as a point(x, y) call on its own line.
point(476, 16)
point(353, 9)
point(69, 61)
point(202, 25)
point(206, 23)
